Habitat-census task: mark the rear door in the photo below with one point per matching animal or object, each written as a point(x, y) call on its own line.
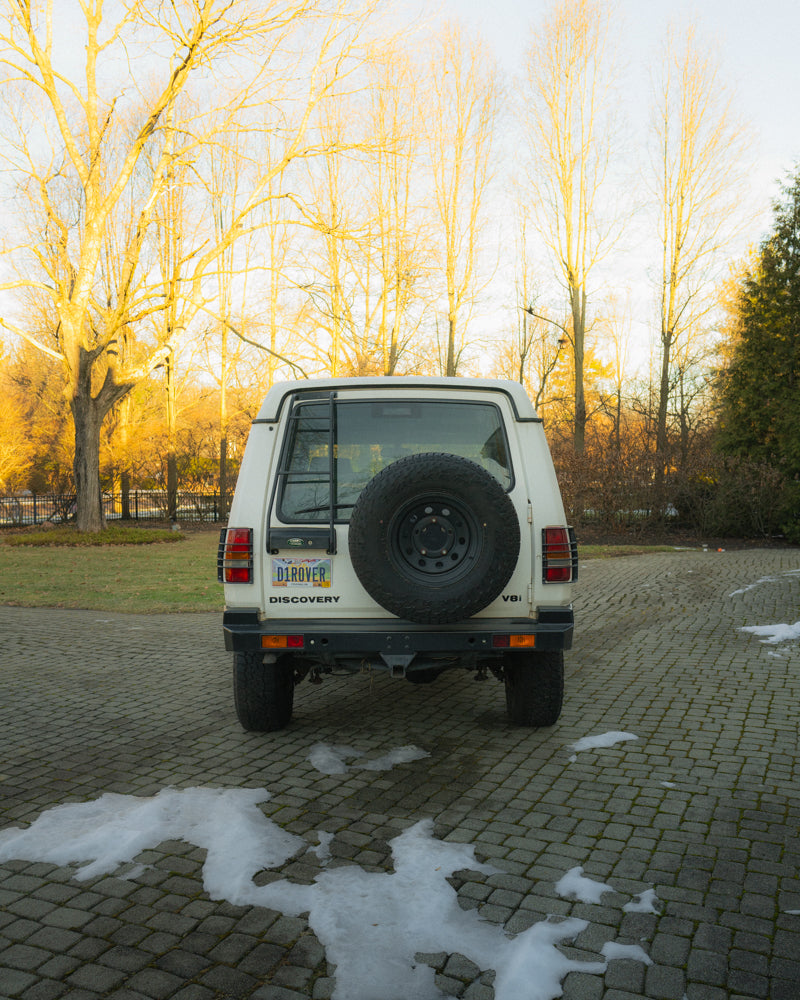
point(334, 443)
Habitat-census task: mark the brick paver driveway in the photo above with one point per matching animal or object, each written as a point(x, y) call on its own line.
point(702, 808)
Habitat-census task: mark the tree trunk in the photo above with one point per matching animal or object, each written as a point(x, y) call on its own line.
point(661, 415)
point(223, 477)
point(663, 396)
point(392, 362)
point(88, 414)
point(86, 462)
point(125, 495)
point(450, 368)
point(578, 304)
point(223, 429)
point(172, 461)
point(125, 474)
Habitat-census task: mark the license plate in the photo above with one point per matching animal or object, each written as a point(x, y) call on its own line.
point(288, 572)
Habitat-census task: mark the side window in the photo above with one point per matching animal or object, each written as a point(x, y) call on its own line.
point(305, 489)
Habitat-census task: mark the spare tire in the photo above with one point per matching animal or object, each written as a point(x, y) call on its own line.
point(434, 538)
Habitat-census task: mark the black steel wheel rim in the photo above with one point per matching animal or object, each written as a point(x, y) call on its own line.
point(434, 539)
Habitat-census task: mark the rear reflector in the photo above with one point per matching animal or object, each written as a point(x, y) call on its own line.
point(235, 561)
point(282, 642)
point(522, 640)
point(513, 641)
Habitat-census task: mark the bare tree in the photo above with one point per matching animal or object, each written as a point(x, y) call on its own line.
point(397, 233)
point(16, 447)
point(100, 149)
point(530, 351)
point(616, 325)
point(567, 115)
point(336, 218)
point(366, 254)
point(463, 109)
point(697, 149)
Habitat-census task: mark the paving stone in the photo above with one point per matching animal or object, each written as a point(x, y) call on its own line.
point(24, 957)
point(715, 711)
point(46, 989)
point(98, 978)
point(323, 988)
point(261, 959)
point(625, 974)
point(748, 983)
point(229, 981)
point(14, 981)
point(194, 992)
point(59, 967)
point(183, 964)
point(155, 983)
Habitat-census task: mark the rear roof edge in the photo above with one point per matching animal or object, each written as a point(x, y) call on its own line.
point(275, 398)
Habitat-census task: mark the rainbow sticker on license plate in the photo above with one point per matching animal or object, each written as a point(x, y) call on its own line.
point(290, 572)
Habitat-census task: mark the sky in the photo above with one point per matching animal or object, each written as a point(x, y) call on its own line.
point(756, 44)
point(755, 47)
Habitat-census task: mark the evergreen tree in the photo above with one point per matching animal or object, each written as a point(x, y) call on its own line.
point(760, 389)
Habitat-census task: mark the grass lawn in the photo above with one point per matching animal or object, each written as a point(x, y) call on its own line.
point(175, 573)
point(162, 576)
point(611, 551)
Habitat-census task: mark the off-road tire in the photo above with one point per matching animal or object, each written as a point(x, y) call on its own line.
point(434, 538)
point(263, 692)
point(534, 687)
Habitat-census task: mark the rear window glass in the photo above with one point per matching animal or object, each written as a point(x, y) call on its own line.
point(371, 435)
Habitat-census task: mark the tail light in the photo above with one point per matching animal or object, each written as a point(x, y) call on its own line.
point(282, 642)
point(235, 555)
point(559, 555)
point(503, 641)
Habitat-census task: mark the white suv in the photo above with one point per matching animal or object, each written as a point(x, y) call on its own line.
point(410, 525)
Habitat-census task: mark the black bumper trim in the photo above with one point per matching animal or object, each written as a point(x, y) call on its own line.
point(324, 637)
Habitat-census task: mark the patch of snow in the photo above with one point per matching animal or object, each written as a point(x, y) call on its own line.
point(532, 966)
point(323, 849)
point(752, 586)
point(603, 740)
point(372, 924)
point(332, 759)
point(774, 633)
point(764, 579)
point(669, 784)
point(114, 829)
point(645, 902)
point(403, 755)
point(576, 884)
point(611, 950)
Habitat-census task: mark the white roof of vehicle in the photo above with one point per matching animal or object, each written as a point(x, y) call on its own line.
point(272, 403)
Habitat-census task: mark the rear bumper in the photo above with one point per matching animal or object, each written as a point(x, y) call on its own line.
point(244, 628)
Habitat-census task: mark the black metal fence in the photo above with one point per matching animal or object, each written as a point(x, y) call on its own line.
point(138, 505)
